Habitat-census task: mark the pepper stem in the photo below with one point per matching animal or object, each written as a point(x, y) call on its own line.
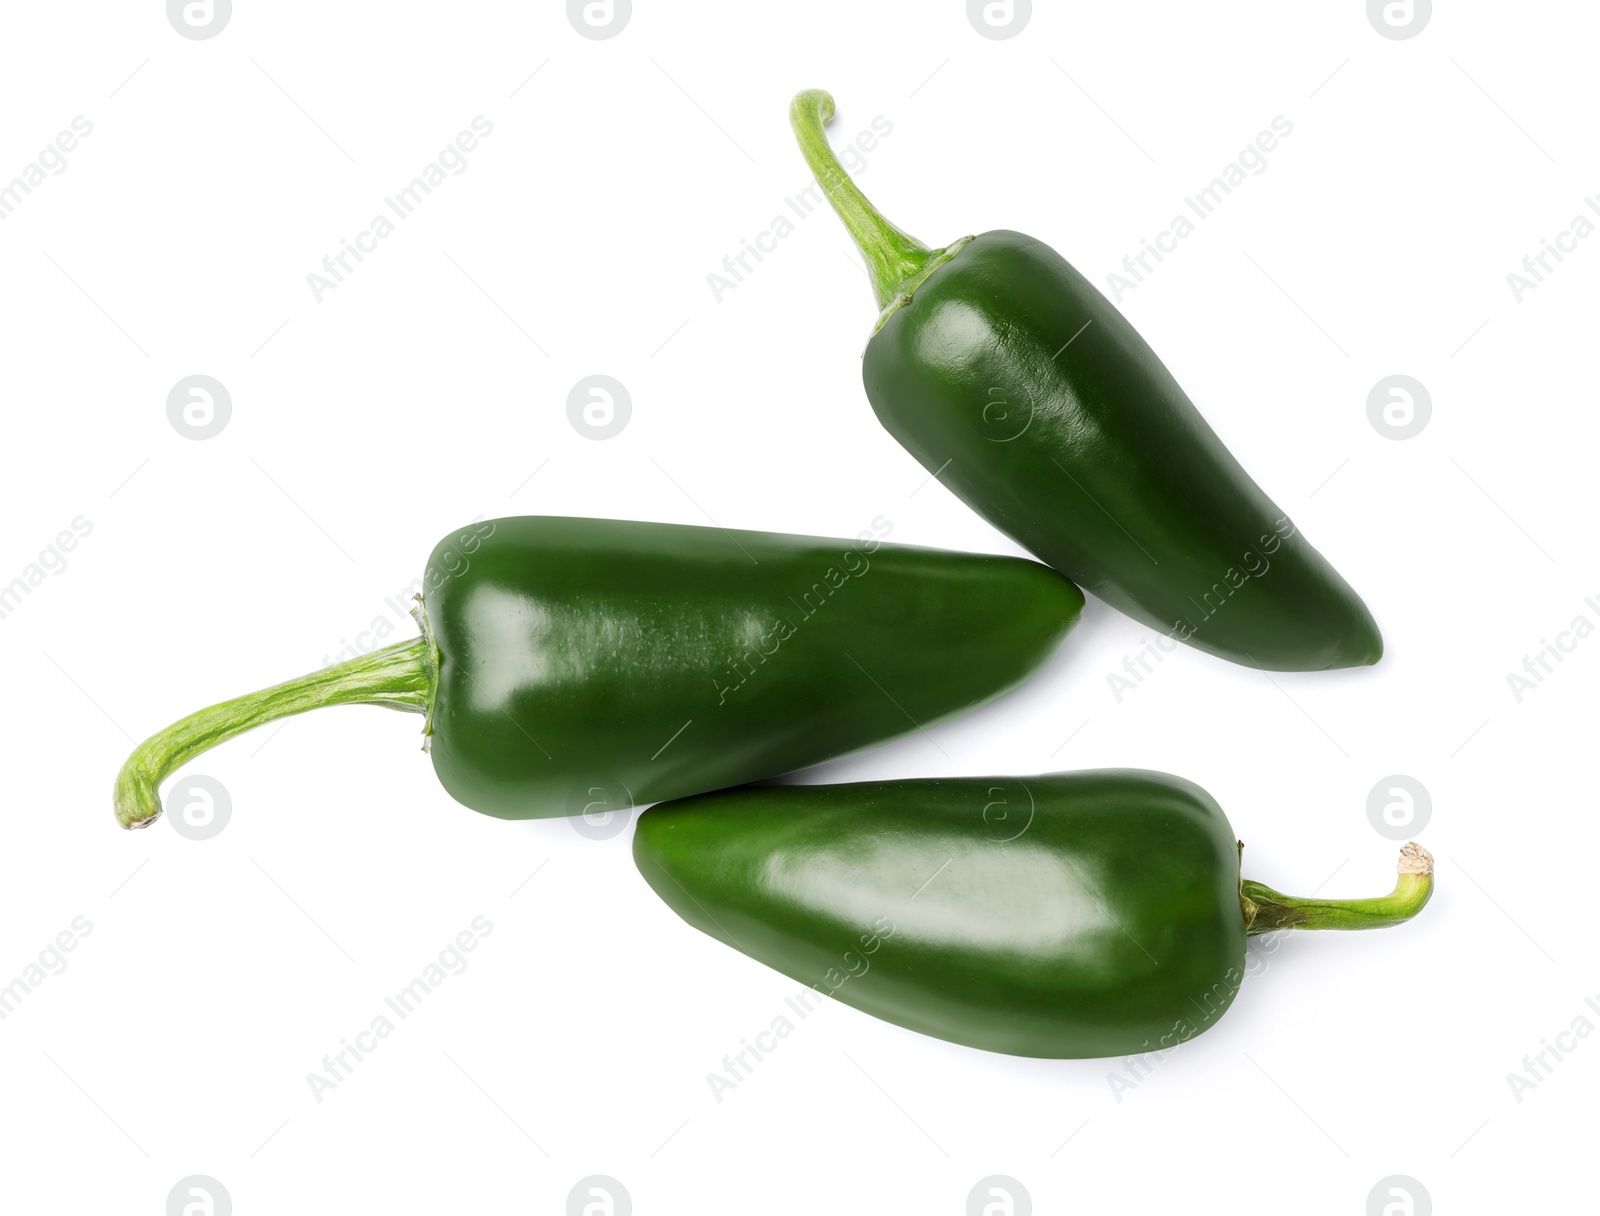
point(1266, 910)
point(892, 256)
point(399, 676)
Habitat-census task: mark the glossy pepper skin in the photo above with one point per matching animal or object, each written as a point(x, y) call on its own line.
point(573, 650)
point(575, 666)
point(1070, 915)
point(999, 365)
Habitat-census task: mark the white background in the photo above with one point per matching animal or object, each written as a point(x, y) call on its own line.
point(430, 388)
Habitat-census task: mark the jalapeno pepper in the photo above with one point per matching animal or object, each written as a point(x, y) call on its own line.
point(1069, 915)
point(574, 664)
point(1007, 375)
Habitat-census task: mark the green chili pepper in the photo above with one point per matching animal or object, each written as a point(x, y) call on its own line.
point(568, 665)
point(1069, 915)
point(1003, 370)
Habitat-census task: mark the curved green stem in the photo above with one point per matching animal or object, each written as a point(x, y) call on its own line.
point(1266, 910)
point(893, 257)
point(401, 676)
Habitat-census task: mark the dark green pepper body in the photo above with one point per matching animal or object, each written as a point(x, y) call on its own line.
point(1069, 915)
point(580, 666)
point(1050, 416)
point(1017, 384)
point(589, 664)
